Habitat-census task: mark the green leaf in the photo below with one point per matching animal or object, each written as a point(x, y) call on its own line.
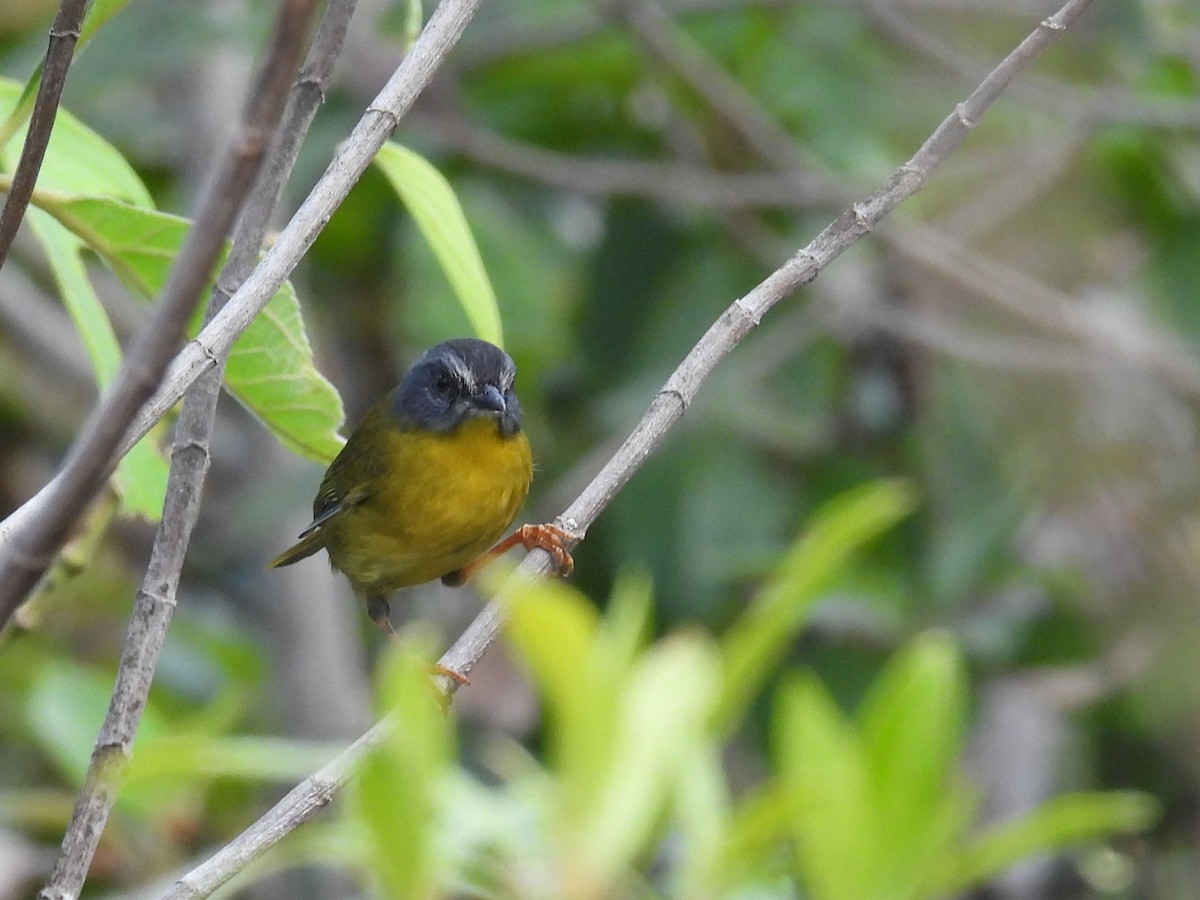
point(400, 779)
point(662, 716)
point(626, 625)
point(65, 707)
point(755, 644)
point(756, 831)
point(95, 194)
point(552, 626)
point(703, 808)
point(414, 18)
point(1061, 822)
point(99, 12)
point(911, 727)
point(240, 757)
point(141, 477)
point(553, 629)
point(912, 718)
point(270, 369)
point(821, 758)
point(435, 209)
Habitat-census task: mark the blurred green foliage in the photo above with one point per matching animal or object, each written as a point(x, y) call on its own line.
point(994, 677)
point(633, 798)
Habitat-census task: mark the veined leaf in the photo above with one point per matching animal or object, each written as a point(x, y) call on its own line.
point(270, 369)
point(435, 209)
point(94, 193)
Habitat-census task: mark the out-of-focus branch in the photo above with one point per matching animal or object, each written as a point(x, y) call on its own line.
point(668, 405)
point(1077, 103)
point(664, 181)
point(1014, 291)
point(671, 47)
point(38, 322)
point(155, 603)
point(501, 43)
point(63, 35)
point(440, 34)
point(92, 456)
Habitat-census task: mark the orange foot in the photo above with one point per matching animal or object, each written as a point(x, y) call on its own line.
point(550, 538)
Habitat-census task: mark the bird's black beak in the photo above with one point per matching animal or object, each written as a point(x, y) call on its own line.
point(490, 398)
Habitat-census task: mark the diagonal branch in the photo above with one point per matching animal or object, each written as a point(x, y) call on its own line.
point(63, 35)
point(91, 458)
point(155, 603)
point(668, 405)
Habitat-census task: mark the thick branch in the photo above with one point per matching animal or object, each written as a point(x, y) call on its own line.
point(63, 36)
point(665, 409)
point(156, 600)
point(91, 459)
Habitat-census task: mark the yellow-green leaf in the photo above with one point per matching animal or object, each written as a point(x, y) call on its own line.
point(141, 477)
point(758, 640)
point(270, 369)
point(436, 210)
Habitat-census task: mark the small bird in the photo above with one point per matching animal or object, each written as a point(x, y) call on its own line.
point(429, 481)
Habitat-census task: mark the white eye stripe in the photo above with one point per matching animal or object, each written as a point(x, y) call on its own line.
point(462, 373)
point(507, 375)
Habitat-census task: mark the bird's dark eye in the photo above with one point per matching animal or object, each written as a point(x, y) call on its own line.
point(443, 385)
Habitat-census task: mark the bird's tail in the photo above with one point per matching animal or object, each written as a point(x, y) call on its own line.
point(303, 548)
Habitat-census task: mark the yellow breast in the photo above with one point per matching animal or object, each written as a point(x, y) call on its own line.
point(437, 503)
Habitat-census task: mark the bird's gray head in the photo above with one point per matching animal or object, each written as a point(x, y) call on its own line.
point(458, 380)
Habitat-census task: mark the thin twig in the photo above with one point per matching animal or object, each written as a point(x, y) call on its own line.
point(1081, 104)
point(155, 603)
point(91, 459)
point(1145, 347)
point(440, 34)
point(63, 35)
point(668, 182)
point(312, 795)
point(674, 49)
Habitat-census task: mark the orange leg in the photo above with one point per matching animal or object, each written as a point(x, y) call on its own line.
point(550, 538)
point(380, 612)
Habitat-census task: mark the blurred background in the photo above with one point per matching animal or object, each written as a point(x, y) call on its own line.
point(1020, 341)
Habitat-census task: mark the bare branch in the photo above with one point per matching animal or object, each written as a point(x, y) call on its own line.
point(299, 805)
point(91, 458)
point(1076, 103)
point(63, 36)
point(155, 602)
point(665, 409)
